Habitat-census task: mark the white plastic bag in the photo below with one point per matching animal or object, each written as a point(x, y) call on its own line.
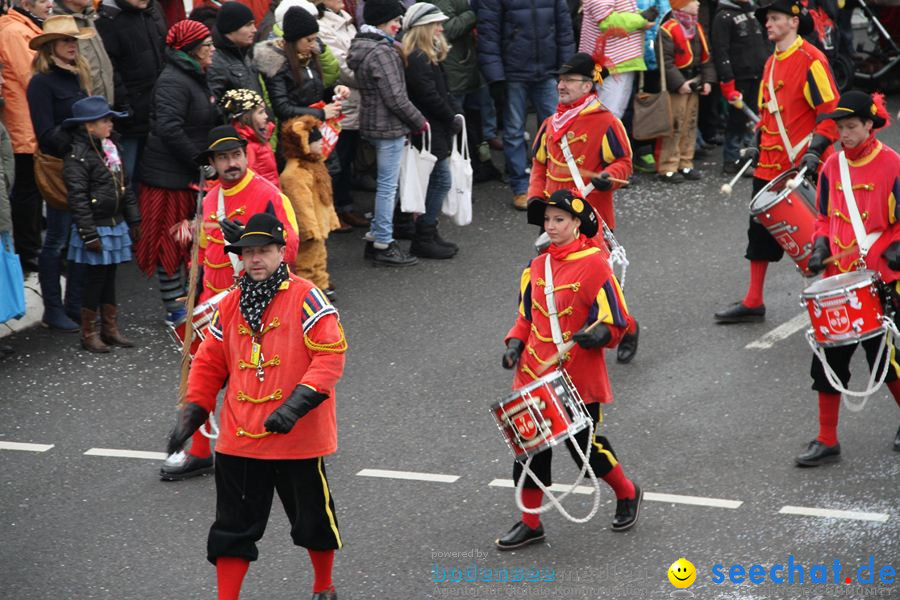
point(415, 170)
point(458, 204)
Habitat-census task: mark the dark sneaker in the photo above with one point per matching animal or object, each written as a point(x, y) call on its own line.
point(520, 535)
point(817, 454)
point(393, 256)
point(738, 313)
point(671, 177)
point(175, 317)
point(645, 163)
point(627, 511)
point(184, 466)
point(691, 174)
point(731, 168)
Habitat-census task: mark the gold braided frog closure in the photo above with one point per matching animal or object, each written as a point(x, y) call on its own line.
point(242, 397)
point(241, 432)
point(244, 330)
point(273, 362)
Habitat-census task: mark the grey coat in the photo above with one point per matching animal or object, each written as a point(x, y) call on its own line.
point(385, 110)
point(93, 51)
point(7, 175)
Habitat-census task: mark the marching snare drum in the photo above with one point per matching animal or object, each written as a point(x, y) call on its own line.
point(845, 309)
point(788, 214)
point(542, 414)
point(202, 317)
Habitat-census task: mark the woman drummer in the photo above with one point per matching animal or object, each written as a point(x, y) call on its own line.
point(592, 313)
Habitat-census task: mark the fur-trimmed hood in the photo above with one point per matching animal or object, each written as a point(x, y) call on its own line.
point(268, 57)
point(294, 138)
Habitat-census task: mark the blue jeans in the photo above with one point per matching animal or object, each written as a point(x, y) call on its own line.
point(388, 155)
point(59, 223)
point(488, 113)
point(132, 148)
point(544, 98)
point(438, 186)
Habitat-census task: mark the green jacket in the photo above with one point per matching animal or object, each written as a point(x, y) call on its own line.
point(331, 68)
point(461, 64)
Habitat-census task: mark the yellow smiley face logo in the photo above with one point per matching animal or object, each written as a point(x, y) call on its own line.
point(682, 573)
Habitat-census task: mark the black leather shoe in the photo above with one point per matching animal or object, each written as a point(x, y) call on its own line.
point(520, 535)
point(191, 466)
point(393, 256)
point(738, 313)
point(817, 454)
point(628, 346)
point(328, 594)
point(627, 511)
point(897, 441)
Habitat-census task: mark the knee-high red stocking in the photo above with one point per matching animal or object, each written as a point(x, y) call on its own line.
point(754, 297)
point(531, 498)
point(230, 572)
point(621, 485)
point(894, 386)
point(322, 562)
point(829, 405)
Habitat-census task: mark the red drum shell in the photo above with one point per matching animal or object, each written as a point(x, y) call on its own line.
point(845, 309)
point(789, 216)
point(202, 317)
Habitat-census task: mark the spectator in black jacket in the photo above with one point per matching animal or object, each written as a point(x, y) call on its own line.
point(134, 33)
point(740, 49)
point(232, 67)
point(181, 114)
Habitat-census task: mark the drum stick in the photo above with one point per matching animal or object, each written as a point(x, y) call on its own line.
point(727, 188)
point(591, 175)
point(742, 106)
point(795, 181)
point(562, 351)
point(839, 256)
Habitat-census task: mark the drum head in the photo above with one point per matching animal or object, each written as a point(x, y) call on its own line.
point(776, 189)
point(851, 280)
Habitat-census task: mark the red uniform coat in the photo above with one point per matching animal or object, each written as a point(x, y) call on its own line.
point(249, 196)
point(598, 143)
point(875, 177)
point(585, 291)
point(302, 342)
point(804, 89)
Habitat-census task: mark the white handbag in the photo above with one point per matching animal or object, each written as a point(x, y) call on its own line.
point(458, 203)
point(415, 170)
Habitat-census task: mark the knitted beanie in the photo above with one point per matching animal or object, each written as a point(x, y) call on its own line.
point(298, 24)
point(232, 16)
point(186, 35)
point(379, 12)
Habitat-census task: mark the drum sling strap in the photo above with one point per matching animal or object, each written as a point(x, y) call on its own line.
point(237, 264)
point(573, 169)
point(863, 239)
point(552, 313)
point(772, 106)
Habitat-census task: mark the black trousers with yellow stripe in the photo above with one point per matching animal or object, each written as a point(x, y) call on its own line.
point(601, 458)
point(244, 491)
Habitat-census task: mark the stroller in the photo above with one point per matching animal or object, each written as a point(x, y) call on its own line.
point(825, 36)
point(878, 58)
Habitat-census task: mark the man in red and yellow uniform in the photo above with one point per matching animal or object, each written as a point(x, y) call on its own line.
point(797, 86)
point(242, 193)
point(586, 307)
point(583, 140)
point(278, 343)
point(873, 175)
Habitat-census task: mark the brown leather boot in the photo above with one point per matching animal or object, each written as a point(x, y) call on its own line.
point(109, 327)
point(90, 337)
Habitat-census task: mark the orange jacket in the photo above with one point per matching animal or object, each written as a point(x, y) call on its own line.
point(804, 88)
point(585, 290)
point(16, 30)
point(302, 343)
point(249, 196)
point(598, 142)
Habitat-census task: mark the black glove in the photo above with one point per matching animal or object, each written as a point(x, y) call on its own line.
point(209, 172)
point(302, 400)
point(810, 158)
point(821, 252)
point(750, 153)
point(596, 337)
point(892, 256)
point(497, 90)
point(602, 182)
point(231, 230)
point(189, 420)
point(650, 14)
point(513, 351)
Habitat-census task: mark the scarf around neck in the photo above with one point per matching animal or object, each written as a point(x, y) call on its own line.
point(688, 23)
point(863, 149)
point(561, 252)
point(566, 113)
point(256, 295)
point(366, 28)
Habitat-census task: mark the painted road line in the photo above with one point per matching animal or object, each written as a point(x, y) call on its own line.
point(651, 496)
point(113, 452)
point(25, 447)
point(834, 514)
point(386, 474)
point(782, 332)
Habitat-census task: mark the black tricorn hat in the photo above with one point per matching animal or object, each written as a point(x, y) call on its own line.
point(856, 104)
point(792, 8)
point(581, 63)
point(221, 139)
point(261, 230)
point(569, 201)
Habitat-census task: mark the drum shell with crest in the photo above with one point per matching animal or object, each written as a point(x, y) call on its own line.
point(200, 321)
point(846, 308)
point(789, 215)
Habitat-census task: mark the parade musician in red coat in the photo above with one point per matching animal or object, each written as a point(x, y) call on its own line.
point(279, 344)
point(585, 291)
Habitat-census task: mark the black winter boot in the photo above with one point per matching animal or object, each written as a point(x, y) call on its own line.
point(424, 244)
point(442, 242)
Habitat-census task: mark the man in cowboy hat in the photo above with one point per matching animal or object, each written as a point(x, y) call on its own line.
point(239, 194)
point(584, 146)
point(797, 86)
point(278, 343)
point(866, 174)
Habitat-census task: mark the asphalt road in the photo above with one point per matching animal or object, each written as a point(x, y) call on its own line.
point(697, 414)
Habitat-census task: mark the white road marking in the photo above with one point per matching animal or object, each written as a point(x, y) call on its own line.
point(386, 474)
point(113, 452)
point(651, 496)
point(782, 332)
point(834, 514)
point(25, 447)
